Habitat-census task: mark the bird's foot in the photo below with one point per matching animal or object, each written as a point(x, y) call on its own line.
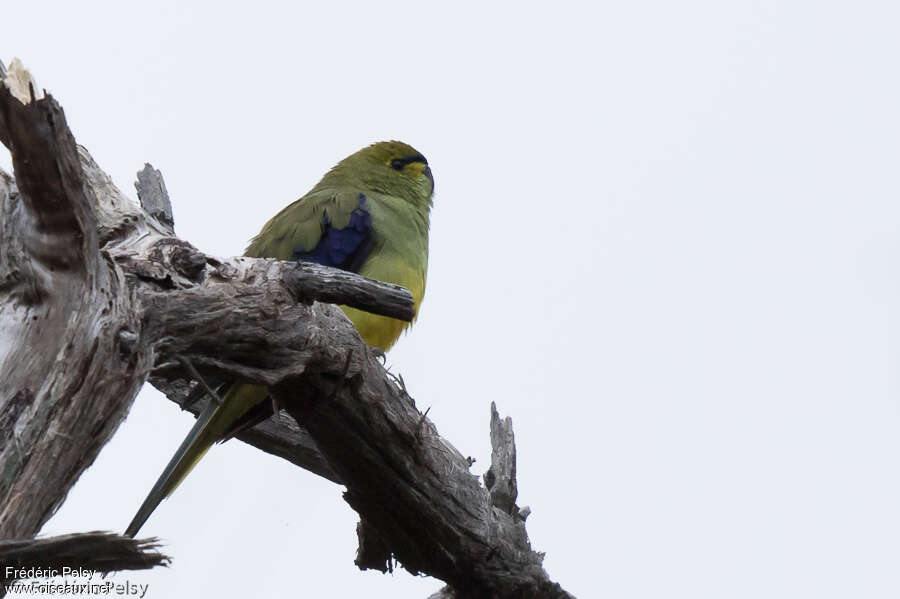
point(380, 355)
point(196, 376)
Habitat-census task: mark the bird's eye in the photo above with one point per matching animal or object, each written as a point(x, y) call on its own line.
point(397, 164)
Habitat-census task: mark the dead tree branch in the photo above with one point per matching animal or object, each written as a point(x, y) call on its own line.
point(97, 296)
point(64, 386)
point(95, 551)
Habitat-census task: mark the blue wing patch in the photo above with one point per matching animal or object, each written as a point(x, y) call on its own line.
point(345, 248)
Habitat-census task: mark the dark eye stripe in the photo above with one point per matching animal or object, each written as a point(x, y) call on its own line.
point(399, 163)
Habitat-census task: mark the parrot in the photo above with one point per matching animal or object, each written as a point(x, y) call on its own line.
point(370, 215)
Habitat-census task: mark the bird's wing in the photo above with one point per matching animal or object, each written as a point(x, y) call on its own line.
point(327, 227)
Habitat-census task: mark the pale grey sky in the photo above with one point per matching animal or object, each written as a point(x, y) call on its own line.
point(665, 241)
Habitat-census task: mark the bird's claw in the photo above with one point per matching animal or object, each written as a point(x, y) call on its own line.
point(196, 376)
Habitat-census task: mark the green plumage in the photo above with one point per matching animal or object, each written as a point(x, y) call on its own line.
point(369, 214)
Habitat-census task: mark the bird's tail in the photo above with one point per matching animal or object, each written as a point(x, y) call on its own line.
point(212, 424)
point(194, 446)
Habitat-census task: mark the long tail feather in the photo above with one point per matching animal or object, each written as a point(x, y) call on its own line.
point(213, 424)
point(194, 446)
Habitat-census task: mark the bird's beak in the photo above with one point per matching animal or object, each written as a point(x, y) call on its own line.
point(427, 172)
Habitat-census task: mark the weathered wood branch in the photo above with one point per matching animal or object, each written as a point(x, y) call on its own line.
point(94, 551)
point(97, 296)
point(64, 386)
point(154, 197)
point(411, 486)
point(500, 479)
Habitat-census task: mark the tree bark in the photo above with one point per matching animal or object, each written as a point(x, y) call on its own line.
point(95, 551)
point(97, 296)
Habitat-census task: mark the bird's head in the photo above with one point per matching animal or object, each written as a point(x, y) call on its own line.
point(389, 167)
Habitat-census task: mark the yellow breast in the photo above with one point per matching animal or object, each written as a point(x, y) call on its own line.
point(380, 331)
